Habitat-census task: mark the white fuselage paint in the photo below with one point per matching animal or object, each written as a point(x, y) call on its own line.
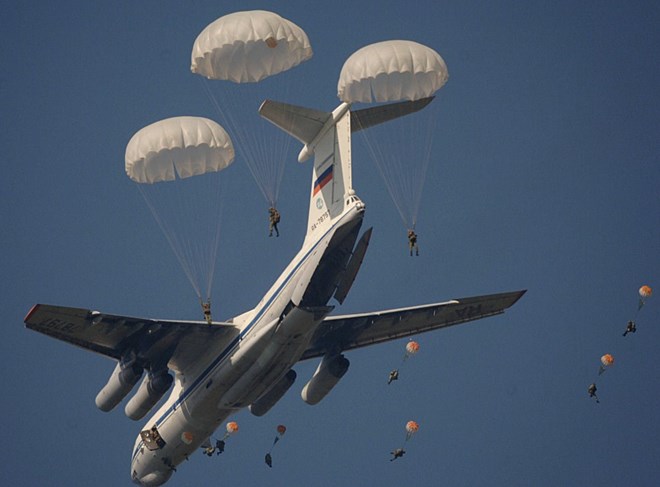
point(235, 376)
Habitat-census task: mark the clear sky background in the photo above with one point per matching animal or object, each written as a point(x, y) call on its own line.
point(544, 176)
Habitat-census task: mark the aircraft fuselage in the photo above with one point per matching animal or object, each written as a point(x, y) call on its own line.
point(272, 339)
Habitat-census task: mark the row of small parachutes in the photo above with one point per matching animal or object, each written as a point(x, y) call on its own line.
point(411, 427)
point(607, 360)
point(246, 57)
point(412, 347)
point(230, 429)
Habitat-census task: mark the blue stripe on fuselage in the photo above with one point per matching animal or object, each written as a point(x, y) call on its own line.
point(230, 348)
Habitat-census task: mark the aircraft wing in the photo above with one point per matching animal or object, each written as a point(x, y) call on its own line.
point(161, 341)
point(339, 333)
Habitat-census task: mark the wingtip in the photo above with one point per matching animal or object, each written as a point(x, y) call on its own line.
point(30, 313)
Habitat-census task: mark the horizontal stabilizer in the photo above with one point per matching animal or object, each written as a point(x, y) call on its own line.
point(368, 117)
point(302, 123)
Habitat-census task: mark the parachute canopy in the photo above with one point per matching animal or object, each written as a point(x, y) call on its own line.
point(248, 47)
point(232, 427)
point(607, 360)
point(391, 71)
point(179, 146)
point(645, 292)
point(412, 347)
point(411, 428)
point(281, 429)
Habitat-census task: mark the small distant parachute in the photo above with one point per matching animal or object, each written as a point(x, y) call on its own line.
point(395, 71)
point(247, 56)
point(281, 429)
point(176, 164)
point(231, 428)
point(644, 293)
point(412, 347)
point(411, 428)
point(606, 361)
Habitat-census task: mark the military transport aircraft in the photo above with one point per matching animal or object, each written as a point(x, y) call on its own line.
point(219, 368)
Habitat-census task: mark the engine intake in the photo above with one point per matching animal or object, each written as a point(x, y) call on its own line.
point(330, 370)
point(121, 382)
point(262, 405)
point(151, 390)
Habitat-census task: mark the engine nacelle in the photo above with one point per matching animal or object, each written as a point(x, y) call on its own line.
point(121, 382)
point(151, 390)
point(262, 405)
point(330, 370)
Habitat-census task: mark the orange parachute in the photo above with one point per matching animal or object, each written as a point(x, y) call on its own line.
point(411, 428)
point(232, 427)
point(281, 429)
point(645, 291)
point(412, 347)
point(606, 361)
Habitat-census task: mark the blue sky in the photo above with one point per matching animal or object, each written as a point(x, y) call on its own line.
point(544, 176)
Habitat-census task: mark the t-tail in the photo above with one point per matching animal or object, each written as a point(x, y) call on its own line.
point(327, 136)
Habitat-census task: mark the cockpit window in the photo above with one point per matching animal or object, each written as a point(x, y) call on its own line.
point(152, 439)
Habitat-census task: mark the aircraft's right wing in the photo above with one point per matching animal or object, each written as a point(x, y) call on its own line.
point(339, 333)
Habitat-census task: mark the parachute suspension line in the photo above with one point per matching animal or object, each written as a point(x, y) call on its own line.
point(191, 225)
point(430, 123)
point(241, 143)
point(215, 244)
point(387, 170)
point(174, 242)
point(260, 147)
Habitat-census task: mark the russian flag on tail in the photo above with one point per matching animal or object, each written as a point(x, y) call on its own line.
point(322, 180)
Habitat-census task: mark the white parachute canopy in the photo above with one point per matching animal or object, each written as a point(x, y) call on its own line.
point(176, 164)
point(393, 71)
point(244, 58)
point(246, 47)
point(185, 146)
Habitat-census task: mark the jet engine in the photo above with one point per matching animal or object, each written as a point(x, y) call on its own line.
point(262, 405)
point(151, 390)
point(330, 370)
point(121, 382)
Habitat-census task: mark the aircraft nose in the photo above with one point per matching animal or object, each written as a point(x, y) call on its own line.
point(152, 479)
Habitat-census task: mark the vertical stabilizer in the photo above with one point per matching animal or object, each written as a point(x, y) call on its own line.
point(331, 177)
point(328, 137)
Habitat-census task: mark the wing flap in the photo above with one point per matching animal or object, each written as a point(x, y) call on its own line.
point(339, 333)
point(113, 336)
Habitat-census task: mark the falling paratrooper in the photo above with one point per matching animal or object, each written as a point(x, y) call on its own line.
point(281, 429)
point(412, 347)
point(244, 57)
point(402, 72)
point(176, 164)
point(644, 292)
point(411, 428)
point(230, 428)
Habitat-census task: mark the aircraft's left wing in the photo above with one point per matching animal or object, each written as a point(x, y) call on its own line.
point(339, 333)
point(113, 336)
